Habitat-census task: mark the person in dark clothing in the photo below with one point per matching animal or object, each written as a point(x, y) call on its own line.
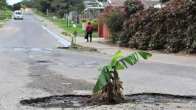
point(89, 32)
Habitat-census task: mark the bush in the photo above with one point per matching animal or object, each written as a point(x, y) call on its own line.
point(132, 6)
point(116, 17)
point(83, 20)
point(5, 14)
point(95, 25)
point(171, 28)
point(115, 23)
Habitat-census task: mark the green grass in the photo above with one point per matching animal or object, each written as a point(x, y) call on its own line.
point(62, 23)
point(4, 16)
point(68, 30)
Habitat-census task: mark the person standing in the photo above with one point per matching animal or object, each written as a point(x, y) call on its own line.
point(89, 32)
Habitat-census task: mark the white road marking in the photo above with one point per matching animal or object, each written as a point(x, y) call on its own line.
point(59, 39)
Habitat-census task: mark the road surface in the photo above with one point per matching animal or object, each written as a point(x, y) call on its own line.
point(32, 66)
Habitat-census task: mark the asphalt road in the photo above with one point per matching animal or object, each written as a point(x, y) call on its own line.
point(32, 66)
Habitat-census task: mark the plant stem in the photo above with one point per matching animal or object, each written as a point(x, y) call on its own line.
point(113, 89)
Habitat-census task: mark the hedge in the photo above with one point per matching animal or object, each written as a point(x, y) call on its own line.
point(172, 28)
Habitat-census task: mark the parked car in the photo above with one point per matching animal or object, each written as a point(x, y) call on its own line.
point(18, 15)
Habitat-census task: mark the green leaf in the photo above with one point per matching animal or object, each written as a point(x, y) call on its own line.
point(116, 57)
point(124, 63)
point(144, 55)
point(134, 58)
point(119, 66)
point(103, 79)
point(110, 68)
point(128, 60)
point(119, 62)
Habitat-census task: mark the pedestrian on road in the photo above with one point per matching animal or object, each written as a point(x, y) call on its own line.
point(89, 32)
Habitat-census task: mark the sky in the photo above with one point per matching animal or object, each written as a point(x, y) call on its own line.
point(11, 2)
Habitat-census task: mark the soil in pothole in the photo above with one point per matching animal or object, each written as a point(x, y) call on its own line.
point(77, 101)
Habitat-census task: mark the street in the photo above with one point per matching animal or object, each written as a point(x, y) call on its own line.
point(32, 66)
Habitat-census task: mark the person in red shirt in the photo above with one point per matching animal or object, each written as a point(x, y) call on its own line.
point(89, 32)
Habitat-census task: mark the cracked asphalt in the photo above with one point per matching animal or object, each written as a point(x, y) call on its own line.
point(31, 66)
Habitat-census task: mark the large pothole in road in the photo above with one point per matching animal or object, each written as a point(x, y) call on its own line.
point(64, 101)
point(77, 101)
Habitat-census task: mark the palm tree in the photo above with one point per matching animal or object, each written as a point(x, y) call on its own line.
point(109, 87)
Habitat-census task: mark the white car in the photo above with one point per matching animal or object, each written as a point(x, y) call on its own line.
point(18, 15)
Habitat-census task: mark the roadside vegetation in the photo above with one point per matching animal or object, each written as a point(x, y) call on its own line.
point(5, 12)
point(169, 29)
point(67, 26)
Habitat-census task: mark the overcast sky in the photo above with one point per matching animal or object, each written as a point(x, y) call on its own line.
point(11, 2)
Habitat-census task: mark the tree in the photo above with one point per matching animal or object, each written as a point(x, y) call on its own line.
point(4, 10)
point(58, 7)
point(27, 3)
point(3, 4)
point(109, 87)
point(17, 6)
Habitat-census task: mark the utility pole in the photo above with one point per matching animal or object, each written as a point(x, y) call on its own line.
point(67, 17)
point(47, 12)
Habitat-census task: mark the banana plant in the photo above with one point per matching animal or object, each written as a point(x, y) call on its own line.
point(108, 87)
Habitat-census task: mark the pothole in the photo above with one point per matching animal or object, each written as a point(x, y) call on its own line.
point(64, 101)
point(75, 101)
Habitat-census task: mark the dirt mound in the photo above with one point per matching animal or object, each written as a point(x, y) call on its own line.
point(172, 28)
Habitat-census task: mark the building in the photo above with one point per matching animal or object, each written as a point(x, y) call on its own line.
point(92, 9)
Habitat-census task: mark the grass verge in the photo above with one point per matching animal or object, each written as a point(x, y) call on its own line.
point(5, 15)
point(67, 26)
